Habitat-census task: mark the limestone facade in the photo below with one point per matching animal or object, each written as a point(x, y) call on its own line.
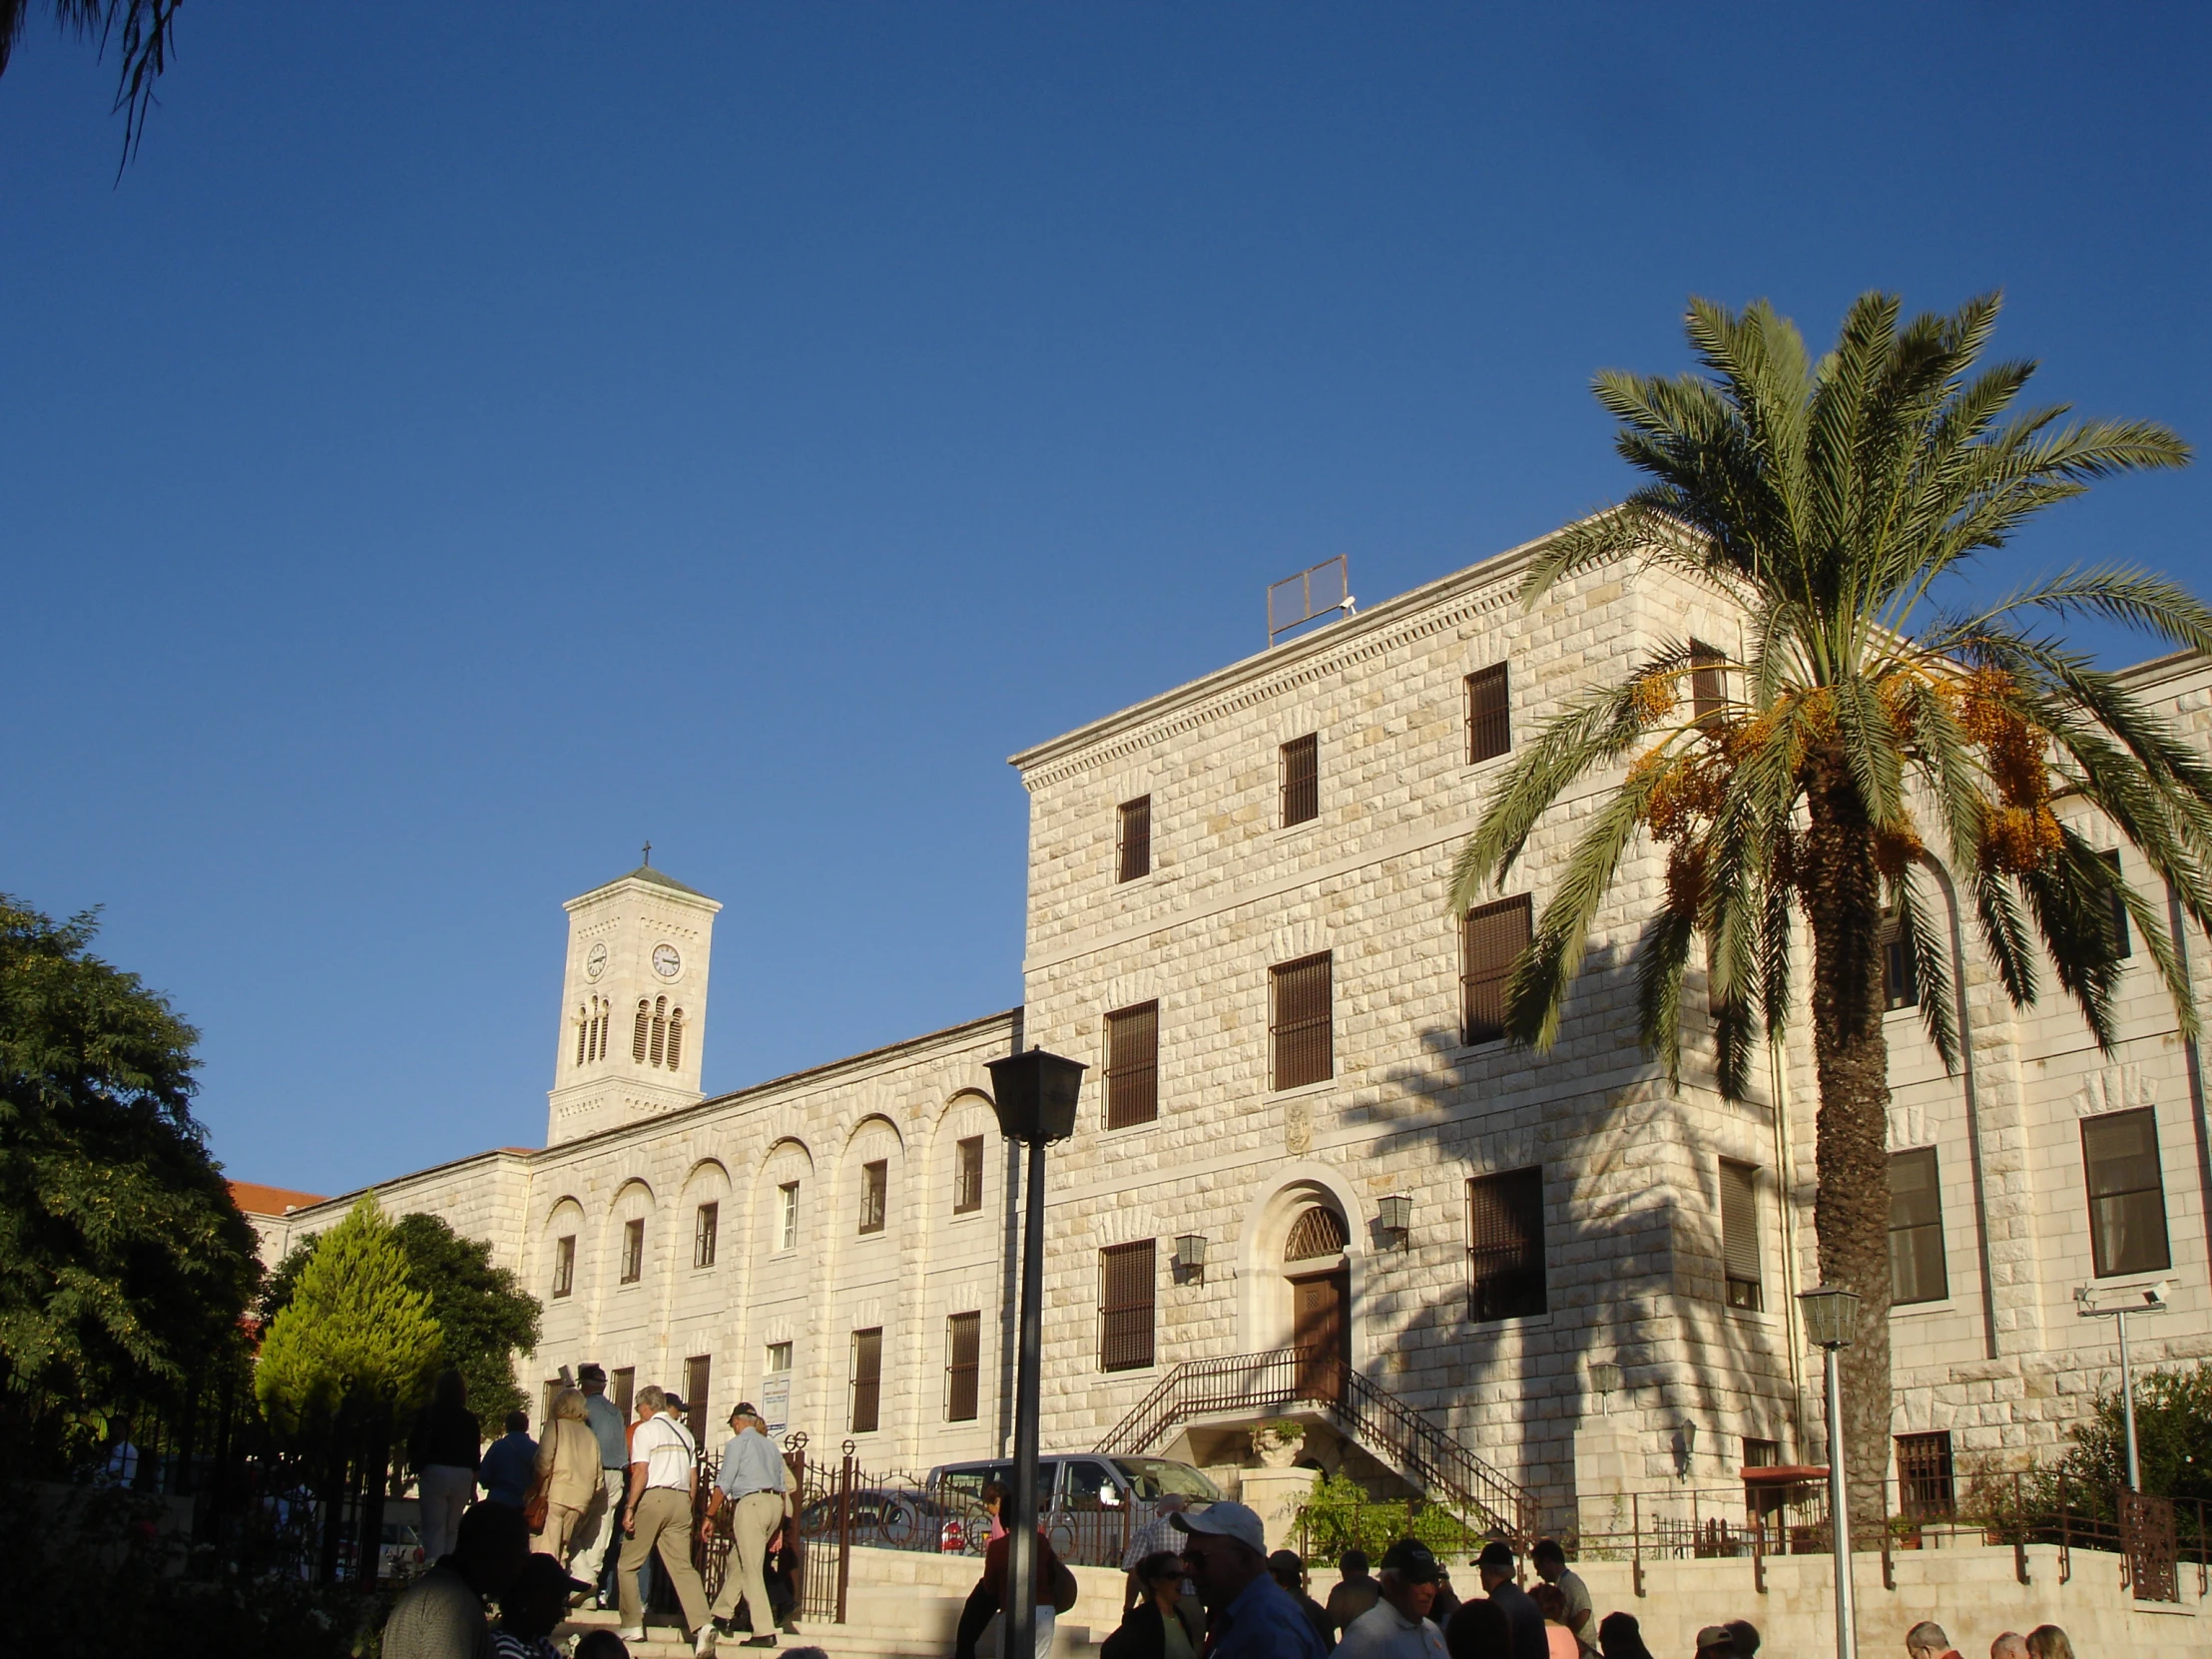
point(1640, 1275)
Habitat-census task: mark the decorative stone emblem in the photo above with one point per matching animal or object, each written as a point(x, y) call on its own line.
point(1298, 1128)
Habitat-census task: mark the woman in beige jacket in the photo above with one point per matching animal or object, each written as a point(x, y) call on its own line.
point(568, 1462)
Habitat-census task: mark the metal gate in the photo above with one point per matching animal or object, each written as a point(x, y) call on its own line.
point(823, 1528)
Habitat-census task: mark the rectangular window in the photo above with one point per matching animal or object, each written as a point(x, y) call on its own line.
point(1762, 1455)
point(778, 1358)
point(2123, 942)
point(704, 1224)
point(1299, 1024)
point(698, 1374)
point(1924, 1483)
point(1740, 1233)
point(1492, 939)
point(1489, 720)
point(876, 1180)
point(564, 1264)
point(623, 1384)
point(867, 1380)
point(633, 1251)
point(1901, 969)
point(1916, 1271)
point(1133, 1065)
point(967, 1176)
point(1301, 779)
point(1505, 1245)
point(1125, 1275)
point(2127, 1196)
point(964, 1364)
point(1136, 838)
point(1708, 681)
point(787, 1216)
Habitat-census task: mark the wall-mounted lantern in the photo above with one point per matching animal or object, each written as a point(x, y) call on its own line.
point(1395, 1218)
point(1190, 1258)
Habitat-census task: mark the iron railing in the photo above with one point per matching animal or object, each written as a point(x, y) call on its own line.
point(1430, 1457)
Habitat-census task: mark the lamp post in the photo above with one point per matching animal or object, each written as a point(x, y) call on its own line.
point(1831, 1320)
point(1034, 1096)
point(2153, 1300)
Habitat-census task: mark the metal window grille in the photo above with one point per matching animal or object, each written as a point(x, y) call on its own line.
point(876, 1180)
point(1901, 969)
point(1318, 1232)
point(1708, 681)
point(1505, 1245)
point(867, 1380)
point(1489, 713)
point(1299, 1023)
point(705, 1224)
point(1925, 1486)
point(1136, 837)
point(564, 1265)
point(1125, 1303)
point(633, 1251)
point(1133, 1065)
point(2127, 1197)
point(1917, 1269)
point(699, 1372)
point(1740, 1233)
point(968, 1177)
point(787, 1216)
point(2123, 940)
point(1491, 939)
point(1302, 780)
point(964, 1366)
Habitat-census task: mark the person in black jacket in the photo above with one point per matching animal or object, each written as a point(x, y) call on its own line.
point(1159, 1626)
point(446, 1450)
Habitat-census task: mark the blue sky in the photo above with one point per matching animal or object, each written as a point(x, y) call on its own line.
point(454, 454)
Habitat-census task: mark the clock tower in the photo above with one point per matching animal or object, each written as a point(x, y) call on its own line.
point(633, 1005)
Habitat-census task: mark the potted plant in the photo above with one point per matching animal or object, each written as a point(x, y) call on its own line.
point(1277, 1443)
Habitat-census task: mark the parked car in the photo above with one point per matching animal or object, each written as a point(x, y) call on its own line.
point(1089, 1503)
point(890, 1518)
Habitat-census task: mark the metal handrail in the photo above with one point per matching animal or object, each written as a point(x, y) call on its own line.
point(1285, 1377)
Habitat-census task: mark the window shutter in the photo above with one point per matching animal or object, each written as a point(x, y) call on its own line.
point(1505, 1245)
point(675, 1040)
point(1489, 719)
point(1302, 780)
point(867, 1380)
point(1492, 936)
point(1133, 1065)
point(1300, 1026)
point(964, 1355)
point(1708, 681)
point(1136, 837)
point(644, 1030)
point(1740, 1230)
point(1127, 1274)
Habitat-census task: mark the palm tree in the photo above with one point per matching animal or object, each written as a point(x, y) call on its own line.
point(1829, 499)
point(143, 31)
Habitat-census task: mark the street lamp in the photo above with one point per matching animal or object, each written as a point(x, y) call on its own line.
point(1831, 1320)
point(1034, 1096)
point(2151, 1300)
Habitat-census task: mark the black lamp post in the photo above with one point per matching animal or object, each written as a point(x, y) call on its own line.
point(1034, 1095)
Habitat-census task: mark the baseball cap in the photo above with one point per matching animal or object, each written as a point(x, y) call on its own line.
point(545, 1572)
point(1716, 1636)
point(1496, 1553)
point(1413, 1561)
point(589, 1372)
point(1225, 1520)
point(1286, 1561)
point(744, 1409)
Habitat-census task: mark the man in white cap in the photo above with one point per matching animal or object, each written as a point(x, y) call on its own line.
point(1248, 1614)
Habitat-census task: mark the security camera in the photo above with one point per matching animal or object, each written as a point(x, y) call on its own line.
point(2154, 1296)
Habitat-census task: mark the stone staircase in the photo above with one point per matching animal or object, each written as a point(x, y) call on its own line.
point(902, 1604)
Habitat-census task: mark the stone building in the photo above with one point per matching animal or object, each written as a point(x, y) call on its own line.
point(1301, 1130)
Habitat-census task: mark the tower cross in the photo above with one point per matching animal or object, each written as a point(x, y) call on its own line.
point(649, 852)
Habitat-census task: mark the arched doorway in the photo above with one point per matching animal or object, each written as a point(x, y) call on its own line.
point(1315, 1264)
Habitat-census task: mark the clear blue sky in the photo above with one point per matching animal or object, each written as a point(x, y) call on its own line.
point(476, 438)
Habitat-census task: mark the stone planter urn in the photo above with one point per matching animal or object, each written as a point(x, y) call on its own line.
point(1276, 1444)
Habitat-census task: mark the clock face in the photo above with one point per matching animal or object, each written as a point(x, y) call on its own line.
point(596, 963)
point(666, 962)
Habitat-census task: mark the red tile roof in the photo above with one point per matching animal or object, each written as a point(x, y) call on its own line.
point(257, 1200)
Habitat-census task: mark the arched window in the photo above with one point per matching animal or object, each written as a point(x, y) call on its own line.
point(644, 1030)
point(675, 1040)
point(660, 1031)
point(1318, 1232)
point(583, 1032)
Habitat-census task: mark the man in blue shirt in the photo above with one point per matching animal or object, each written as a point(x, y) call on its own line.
point(752, 1480)
point(510, 1463)
point(1248, 1614)
point(599, 1525)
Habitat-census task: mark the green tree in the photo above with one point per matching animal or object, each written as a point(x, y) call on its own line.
point(485, 1319)
point(143, 31)
point(355, 1334)
point(1831, 499)
point(2174, 1440)
point(123, 1264)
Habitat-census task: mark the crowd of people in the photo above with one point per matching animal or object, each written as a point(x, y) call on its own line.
point(540, 1540)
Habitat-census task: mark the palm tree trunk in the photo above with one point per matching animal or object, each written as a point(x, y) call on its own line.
point(1851, 1215)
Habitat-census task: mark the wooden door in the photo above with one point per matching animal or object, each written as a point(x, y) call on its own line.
point(1322, 1330)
